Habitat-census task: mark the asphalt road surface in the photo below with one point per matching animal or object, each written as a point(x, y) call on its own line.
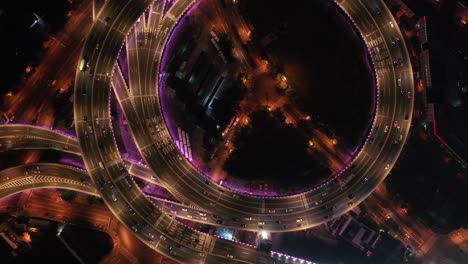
point(120, 21)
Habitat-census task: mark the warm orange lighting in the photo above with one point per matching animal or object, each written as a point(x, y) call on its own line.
point(311, 143)
point(26, 237)
point(307, 117)
point(283, 81)
point(335, 141)
point(420, 87)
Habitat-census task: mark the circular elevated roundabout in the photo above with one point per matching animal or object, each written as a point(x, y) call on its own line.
point(119, 25)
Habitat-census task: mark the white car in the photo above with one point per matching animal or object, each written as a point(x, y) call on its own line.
point(391, 24)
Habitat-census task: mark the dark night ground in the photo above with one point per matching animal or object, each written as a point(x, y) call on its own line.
point(268, 142)
point(90, 245)
point(329, 61)
point(15, 19)
point(328, 67)
point(330, 83)
point(441, 199)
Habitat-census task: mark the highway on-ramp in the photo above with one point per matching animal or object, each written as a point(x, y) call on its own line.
point(145, 37)
point(370, 167)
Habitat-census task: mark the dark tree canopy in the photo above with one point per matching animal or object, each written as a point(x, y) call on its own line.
point(68, 195)
point(271, 150)
point(441, 200)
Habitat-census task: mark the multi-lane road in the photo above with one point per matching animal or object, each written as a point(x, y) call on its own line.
point(142, 109)
point(52, 175)
point(145, 39)
point(33, 176)
point(103, 161)
point(27, 137)
point(390, 128)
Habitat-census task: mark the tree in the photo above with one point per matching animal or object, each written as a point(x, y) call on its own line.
point(268, 149)
point(225, 44)
point(93, 199)
point(68, 195)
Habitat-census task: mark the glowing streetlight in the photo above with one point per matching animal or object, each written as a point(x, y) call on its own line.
point(283, 81)
point(265, 235)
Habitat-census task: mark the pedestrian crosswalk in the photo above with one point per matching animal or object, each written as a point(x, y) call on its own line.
point(379, 53)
